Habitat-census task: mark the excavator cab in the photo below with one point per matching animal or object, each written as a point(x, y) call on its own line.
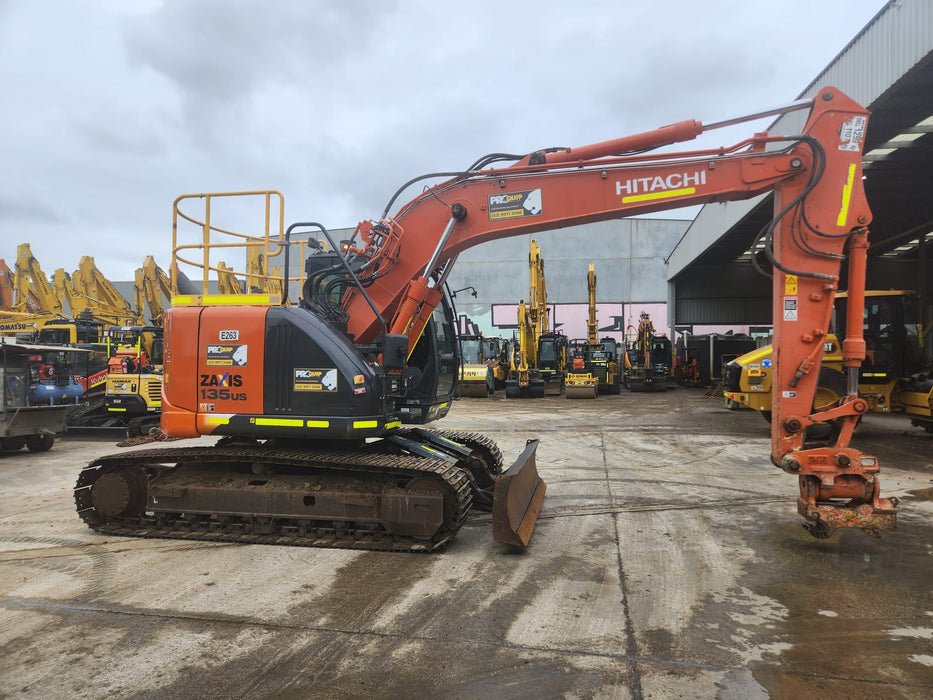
point(424, 390)
point(434, 369)
point(891, 330)
point(552, 361)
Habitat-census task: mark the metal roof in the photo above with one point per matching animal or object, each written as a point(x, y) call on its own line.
point(888, 67)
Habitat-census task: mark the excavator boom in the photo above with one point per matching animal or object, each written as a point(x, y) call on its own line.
point(821, 215)
point(33, 292)
point(152, 285)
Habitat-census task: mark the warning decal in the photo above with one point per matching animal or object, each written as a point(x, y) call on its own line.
point(852, 134)
point(514, 205)
point(315, 380)
point(790, 308)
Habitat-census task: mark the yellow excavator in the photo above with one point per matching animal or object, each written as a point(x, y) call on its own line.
point(525, 380)
point(580, 382)
point(648, 361)
point(894, 378)
point(133, 398)
point(85, 310)
point(60, 311)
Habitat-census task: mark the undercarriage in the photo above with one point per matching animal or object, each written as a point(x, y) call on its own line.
point(409, 492)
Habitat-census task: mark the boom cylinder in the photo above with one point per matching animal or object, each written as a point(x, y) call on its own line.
point(853, 347)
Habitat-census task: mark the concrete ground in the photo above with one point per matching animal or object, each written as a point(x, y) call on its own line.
point(668, 562)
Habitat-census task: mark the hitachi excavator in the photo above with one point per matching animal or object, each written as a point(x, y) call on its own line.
point(313, 402)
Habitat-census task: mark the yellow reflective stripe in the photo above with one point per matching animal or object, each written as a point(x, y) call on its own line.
point(217, 420)
point(760, 353)
point(365, 424)
point(659, 195)
point(846, 196)
point(239, 299)
point(282, 422)
point(116, 409)
point(227, 300)
point(394, 424)
point(318, 424)
point(412, 348)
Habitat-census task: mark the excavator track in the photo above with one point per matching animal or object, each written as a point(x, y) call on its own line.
point(484, 464)
point(492, 455)
point(370, 499)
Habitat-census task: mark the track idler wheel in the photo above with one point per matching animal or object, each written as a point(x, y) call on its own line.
point(120, 493)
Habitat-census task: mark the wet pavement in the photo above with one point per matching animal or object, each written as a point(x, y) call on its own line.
point(668, 562)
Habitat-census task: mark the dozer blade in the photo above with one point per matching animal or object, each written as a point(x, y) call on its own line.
point(517, 499)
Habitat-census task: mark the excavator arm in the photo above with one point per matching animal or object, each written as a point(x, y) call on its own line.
point(65, 292)
point(821, 215)
point(34, 293)
point(532, 319)
point(592, 335)
point(6, 286)
point(527, 348)
point(101, 296)
point(537, 291)
point(152, 284)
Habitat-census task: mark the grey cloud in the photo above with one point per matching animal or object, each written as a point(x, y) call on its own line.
point(121, 107)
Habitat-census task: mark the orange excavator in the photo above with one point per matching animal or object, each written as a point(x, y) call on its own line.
point(318, 405)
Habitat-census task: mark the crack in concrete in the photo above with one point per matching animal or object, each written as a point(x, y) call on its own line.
point(631, 644)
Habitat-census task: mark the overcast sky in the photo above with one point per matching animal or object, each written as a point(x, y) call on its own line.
point(112, 108)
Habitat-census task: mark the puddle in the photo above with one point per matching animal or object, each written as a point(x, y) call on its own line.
point(922, 494)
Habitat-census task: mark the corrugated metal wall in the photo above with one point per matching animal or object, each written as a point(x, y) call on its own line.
point(706, 296)
point(890, 45)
